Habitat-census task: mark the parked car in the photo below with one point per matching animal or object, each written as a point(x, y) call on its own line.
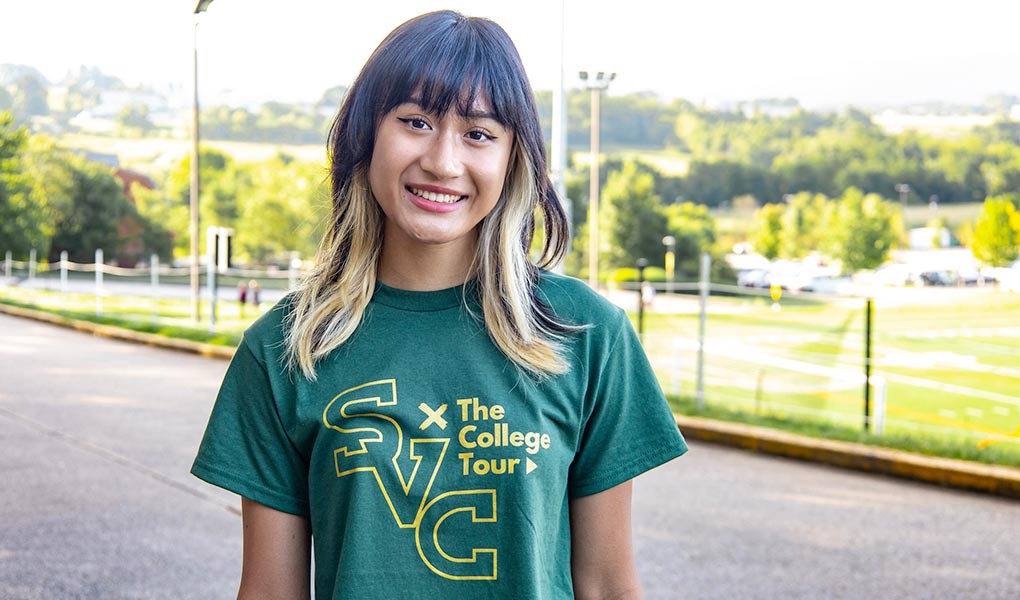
point(755, 278)
point(936, 278)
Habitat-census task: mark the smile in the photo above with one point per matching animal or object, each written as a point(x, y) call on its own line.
point(436, 197)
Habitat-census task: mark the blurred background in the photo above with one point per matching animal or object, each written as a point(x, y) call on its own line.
point(794, 160)
point(810, 210)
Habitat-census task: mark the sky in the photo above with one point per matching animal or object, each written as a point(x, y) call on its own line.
point(825, 53)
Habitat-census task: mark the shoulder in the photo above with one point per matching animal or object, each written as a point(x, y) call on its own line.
point(575, 302)
point(266, 338)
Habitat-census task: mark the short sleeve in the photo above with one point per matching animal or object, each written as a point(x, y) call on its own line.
point(630, 428)
point(246, 448)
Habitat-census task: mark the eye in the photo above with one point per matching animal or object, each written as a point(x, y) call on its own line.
point(415, 123)
point(480, 136)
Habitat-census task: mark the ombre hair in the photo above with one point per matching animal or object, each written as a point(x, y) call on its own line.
point(441, 61)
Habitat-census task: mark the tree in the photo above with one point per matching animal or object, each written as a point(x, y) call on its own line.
point(864, 229)
point(85, 88)
point(284, 209)
point(997, 232)
point(80, 206)
point(96, 207)
point(576, 262)
point(632, 218)
point(29, 97)
point(804, 223)
point(220, 186)
point(717, 183)
point(158, 207)
point(331, 99)
point(24, 222)
point(768, 236)
point(135, 116)
point(693, 228)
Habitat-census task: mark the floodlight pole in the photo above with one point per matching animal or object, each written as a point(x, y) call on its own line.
point(559, 133)
point(196, 311)
point(595, 85)
point(670, 263)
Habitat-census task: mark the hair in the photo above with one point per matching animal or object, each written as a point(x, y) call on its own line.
point(442, 61)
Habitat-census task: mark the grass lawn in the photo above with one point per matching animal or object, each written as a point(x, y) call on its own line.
point(168, 317)
point(949, 358)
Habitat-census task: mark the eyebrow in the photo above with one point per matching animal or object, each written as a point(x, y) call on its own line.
point(478, 115)
point(471, 114)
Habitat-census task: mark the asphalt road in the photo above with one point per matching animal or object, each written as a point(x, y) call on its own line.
point(96, 438)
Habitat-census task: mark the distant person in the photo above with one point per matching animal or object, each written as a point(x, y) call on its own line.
point(436, 414)
point(647, 293)
point(242, 296)
point(253, 293)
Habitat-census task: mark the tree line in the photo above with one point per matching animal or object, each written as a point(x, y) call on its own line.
point(52, 199)
point(731, 154)
point(767, 148)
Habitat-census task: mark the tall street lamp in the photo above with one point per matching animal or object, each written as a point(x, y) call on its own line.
point(558, 139)
point(595, 85)
point(195, 274)
point(670, 243)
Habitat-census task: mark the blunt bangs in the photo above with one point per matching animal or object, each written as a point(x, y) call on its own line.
point(444, 61)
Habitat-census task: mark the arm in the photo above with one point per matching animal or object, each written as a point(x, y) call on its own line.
point(277, 554)
point(602, 557)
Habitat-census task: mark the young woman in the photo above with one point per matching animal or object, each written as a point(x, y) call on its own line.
point(434, 414)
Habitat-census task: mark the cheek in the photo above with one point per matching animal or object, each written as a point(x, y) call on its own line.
point(375, 177)
point(498, 173)
point(383, 173)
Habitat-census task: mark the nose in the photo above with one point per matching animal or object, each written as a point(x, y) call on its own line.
point(442, 157)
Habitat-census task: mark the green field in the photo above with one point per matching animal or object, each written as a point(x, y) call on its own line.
point(949, 358)
point(152, 153)
point(169, 317)
point(740, 223)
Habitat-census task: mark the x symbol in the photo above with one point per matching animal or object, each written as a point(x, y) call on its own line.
point(434, 416)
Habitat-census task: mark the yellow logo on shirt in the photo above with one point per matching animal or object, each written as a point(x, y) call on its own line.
point(373, 442)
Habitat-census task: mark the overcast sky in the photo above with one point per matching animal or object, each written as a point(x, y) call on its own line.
point(823, 52)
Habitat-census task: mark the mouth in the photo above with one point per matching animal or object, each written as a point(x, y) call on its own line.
point(435, 196)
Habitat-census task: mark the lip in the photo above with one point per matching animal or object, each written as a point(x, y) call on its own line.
point(430, 206)
point(435, 189)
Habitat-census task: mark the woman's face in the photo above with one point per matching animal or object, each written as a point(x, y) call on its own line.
point(437, 176)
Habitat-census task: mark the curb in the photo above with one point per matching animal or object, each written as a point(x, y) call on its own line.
point(990, 479)
point(119, 333)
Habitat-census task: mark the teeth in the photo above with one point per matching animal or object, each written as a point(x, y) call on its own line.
point(434, 197)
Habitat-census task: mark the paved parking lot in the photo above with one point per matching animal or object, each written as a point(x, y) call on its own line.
point(96, 438)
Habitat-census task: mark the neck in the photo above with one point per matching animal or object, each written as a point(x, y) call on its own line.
point(425, 267)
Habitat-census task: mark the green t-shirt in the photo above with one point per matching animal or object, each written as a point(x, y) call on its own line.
point(428, 466)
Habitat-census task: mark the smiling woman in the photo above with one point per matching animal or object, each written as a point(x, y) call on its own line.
point(437, 414)
point(435, 178)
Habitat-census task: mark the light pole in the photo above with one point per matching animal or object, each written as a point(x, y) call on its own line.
point(595, 85)
point(558, 139)
point(196, 312)
point(670, 243)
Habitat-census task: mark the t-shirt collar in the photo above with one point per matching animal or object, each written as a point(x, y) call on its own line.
point(425, 301)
